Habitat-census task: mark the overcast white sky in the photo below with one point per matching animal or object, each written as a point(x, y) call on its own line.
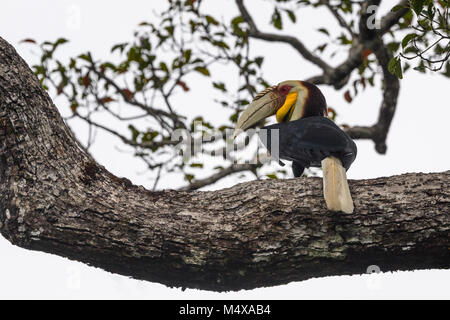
point(417, 142)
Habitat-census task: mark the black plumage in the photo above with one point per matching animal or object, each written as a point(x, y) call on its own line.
point(308, 141)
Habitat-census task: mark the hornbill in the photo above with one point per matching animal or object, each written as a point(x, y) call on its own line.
point(305, 136)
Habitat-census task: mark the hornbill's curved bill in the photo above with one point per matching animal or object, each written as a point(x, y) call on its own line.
point(305, 136)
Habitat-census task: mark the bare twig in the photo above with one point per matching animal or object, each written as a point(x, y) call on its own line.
point(294, 42)
point(234, 168)
point(392, 18)
point(340, 19)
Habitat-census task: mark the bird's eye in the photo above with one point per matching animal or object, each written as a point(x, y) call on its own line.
point(285, 89)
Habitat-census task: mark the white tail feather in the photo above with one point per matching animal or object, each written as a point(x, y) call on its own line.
point(335, 186)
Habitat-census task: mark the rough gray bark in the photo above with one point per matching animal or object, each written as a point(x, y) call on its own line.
point(55, 198)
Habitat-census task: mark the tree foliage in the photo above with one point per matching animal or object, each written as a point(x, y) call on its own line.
point(138, 84)
point(428, 39)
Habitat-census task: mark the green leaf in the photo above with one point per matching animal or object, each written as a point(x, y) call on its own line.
point(398, 69)
point(397, 7)
point(431, 11)
point(169, 30)
point(345, 40)
point(420, 67)
point(133, 54)
point(322, 47)
point(74, 105)
point(220, 44)
point(393, 46)
point(243, 102)
point(291, 15)
point(259, 61)
point(163, 67)
point(120, 46)
point(417, 5)
point(395, 67)
point(60, 41)
point(196, 165)
point(149, 136)
point(145, 43)
point(406, 67)
point(407, 39)
point(224, 127)
point(392, 64)
point(237, 20)
point(237, 30)
point(187, 55)
point(272, 176)
point(203, 71)
point(276, 19)
point(234, 117)
point(411, 50)
point(408, 17)
point(323, 30)
point(86, 56)
point(134, 132)
point(211, 20)
point(220, 86)
point(39, 69)
point(108, 65)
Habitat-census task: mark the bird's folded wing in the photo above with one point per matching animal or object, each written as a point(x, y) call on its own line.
point(308, 141)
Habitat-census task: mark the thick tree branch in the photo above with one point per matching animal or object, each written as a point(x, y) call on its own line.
point(367, 39)
point(392, 18)
point(293, 41)
point(389, 102)
point(55, 198)
point(378, 132)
